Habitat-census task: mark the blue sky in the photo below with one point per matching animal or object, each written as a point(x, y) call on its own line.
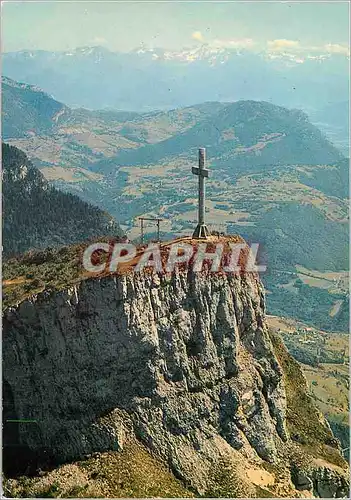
point(122, 26)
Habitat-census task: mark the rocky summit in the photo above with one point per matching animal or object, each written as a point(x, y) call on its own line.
point(179, 368)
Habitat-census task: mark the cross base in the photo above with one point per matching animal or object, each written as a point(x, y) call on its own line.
point(201, 231)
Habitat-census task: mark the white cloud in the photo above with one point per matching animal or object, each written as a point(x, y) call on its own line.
point(336, 48)
point(99, 40)
point(282, 45)
point(197, 35)
point(239, 43)
point(286, 47)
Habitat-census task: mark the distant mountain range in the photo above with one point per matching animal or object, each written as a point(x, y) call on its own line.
point(36, 215)
point(274, 178)
point(148, 79)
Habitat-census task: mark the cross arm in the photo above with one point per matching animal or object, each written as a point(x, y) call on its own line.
point(203, 172)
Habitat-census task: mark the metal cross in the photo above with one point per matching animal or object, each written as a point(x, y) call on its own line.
point(201, 230)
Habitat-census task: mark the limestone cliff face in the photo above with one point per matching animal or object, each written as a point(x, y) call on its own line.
point(182, 362)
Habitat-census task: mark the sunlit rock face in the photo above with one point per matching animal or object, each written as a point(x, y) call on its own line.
point(182, 362)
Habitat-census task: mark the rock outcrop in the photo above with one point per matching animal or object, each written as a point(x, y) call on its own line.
point(182, 363)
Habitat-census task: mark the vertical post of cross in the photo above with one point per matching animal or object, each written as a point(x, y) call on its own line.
point(158, 230)
point(201, 230)
point(202, 159)
point(142, 230)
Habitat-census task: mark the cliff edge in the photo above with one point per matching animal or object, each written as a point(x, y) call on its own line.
point(180, 368)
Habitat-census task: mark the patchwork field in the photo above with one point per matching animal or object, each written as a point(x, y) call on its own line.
point(332, 281)
point(326, 372)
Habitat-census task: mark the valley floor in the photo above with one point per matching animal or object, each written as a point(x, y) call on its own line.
point(324, 359)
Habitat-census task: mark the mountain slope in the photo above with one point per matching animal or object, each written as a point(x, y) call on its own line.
point(292, 235)
point(36, 215)
point(242, 133)
point(333, 181)
point(27, 110)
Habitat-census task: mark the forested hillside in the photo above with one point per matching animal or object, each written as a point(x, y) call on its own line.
point(36, 215)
